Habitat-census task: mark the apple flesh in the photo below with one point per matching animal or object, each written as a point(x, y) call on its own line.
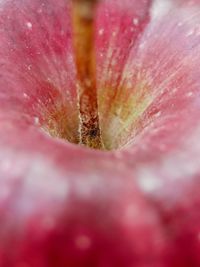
point(66, 205)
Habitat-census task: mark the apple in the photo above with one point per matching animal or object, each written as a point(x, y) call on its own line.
point(136, 201)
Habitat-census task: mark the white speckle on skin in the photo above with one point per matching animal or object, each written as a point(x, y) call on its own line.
point(148, 182)
point(84, 189)
point(158, 114)
point(29, 25)
point(142, 45)
point(160, 8)
point(53, 188)
point(36, 120)
point(135, 21)
point(174, 90)
point(83, 242)
point(190, 33)
point(41, 185)
point(25, 95)
point(189, 94)
point(114, 33)
point(180, 24)
point(101, 31)
point(29, 67)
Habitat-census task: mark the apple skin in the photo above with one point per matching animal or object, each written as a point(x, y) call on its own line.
point(64, 215)
point(65, 205)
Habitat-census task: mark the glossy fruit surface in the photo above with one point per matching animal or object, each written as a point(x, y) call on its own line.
point(65, 205)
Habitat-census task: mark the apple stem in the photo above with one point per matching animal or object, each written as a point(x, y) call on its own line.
point(83, 38)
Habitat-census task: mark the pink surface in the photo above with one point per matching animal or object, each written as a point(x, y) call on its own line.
point(65, 205)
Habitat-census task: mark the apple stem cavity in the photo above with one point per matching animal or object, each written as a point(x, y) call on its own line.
point(83, 21)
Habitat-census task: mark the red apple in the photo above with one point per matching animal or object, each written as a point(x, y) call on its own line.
point(138, 204)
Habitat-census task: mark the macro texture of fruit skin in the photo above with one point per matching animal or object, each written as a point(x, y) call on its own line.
point(55, 213)
point(66, 205)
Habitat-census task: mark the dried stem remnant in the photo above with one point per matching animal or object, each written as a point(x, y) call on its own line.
point(83, 33)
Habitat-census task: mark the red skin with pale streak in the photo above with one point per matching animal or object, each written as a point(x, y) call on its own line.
point(64, 205)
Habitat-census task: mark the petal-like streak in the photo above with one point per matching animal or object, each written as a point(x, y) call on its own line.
point(118, 27)
point(160, 80)
point(36, 64)
point(165, 147)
